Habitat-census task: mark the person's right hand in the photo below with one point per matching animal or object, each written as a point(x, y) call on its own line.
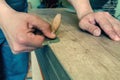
point(105, 21)
point(19, 30)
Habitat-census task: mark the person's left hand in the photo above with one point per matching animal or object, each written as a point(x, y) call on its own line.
point(106, 22)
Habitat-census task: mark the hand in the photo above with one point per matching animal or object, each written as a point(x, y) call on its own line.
point(106, 22)
point(19, 30)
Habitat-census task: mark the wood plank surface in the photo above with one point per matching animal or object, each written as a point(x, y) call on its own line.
point(83, 56)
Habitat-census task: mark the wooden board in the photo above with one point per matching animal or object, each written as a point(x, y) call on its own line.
point(36, 73)
point(83, 56)
point(49, 65)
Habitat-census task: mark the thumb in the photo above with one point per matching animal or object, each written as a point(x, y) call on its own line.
point(41, 25)
point(92, 28)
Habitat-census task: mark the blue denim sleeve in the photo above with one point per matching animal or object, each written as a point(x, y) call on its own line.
point(18, 5)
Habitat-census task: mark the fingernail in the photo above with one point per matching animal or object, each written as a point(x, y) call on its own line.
point(53, 35)
point(96, 32)
point(116, 38)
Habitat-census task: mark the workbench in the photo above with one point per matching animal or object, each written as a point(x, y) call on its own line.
point(78, 55)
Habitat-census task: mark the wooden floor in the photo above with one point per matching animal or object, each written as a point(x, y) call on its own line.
point(83, 56)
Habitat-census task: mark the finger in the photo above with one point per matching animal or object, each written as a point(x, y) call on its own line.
point(34, 40)
point(42, 25)
point(93, 29)
point(30, 39)
point(117, 28)
point(115, 23)
point(107, 27)
point(92, 21)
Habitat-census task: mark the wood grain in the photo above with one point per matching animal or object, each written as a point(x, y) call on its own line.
point(83, 56)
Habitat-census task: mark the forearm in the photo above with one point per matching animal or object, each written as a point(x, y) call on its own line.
point(82, 7)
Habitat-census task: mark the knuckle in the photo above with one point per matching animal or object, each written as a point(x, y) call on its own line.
point(83, 24)
point(106, 13)
point(91, 29)
point(103, 13)
point(100, 13)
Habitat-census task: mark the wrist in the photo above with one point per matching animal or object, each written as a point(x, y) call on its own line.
point(84, 13)
point(5, 10)
point(82, 7)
